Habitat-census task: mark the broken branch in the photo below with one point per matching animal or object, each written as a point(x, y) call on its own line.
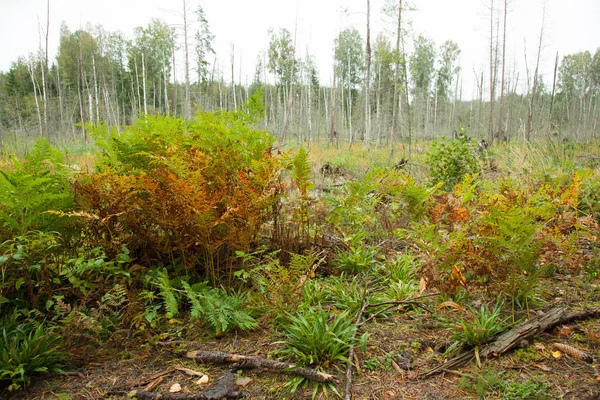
point(219, 357)
point(514, 337)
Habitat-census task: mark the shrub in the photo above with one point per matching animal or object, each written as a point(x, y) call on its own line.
point(170, 189)
point(486, 323)
point(37, 184)
point(26, 350)
point(318, 337)
point(450, 161)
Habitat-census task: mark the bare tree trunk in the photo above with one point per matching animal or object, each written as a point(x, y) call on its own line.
point(290, 99)
point(166, 97)
point(137, 86)
point(378, 96)
point(309, 110)
point(144, 85)
point(96, 87)
point(174, 83)
point(535, 80)
point(549, 133)
point(501, 134)
point(396, 80)
point(60, 102)
point(80, 96)
point(408, 108)
point(186, 108)
point(368, 80)
point(35, 95)
point(492, 77)
point(232, 75)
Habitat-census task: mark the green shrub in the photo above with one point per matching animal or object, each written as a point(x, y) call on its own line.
point(222, 311)
point(38, 184)
point(357, 259)
point(171, 189)
point(318, 337)
point(450, 161)
point(26, 350)
point(28, 266)
point(486, 323)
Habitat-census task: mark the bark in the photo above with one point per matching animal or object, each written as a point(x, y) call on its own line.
point(549, 133)
point(186, 108)
point(368, 80)
point(513, 338)
point(290, 98)
point(332, 133)
point(492, 80)
point(249, 362)
point(535, 83)
point(37, 104)
point(144, 85)
point(501, 134)
point(232, 75)
point(396, 79)
point(96, 87)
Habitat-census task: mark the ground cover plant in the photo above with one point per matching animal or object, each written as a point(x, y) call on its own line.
point(198, 235)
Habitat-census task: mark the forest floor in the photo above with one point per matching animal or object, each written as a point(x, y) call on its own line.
point(412, 338)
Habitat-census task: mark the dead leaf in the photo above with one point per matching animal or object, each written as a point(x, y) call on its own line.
point(243, 381)
point(176, 387)
point(203, 380)
point(189, 371)
point(543, 367)
point(154, 383)
point(539, 346)
point(556, 354)
point(451, 304)
point(458, 275)
point(565, 331)
point(422, 285)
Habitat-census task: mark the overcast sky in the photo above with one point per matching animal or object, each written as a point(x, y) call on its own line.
point(571, 26)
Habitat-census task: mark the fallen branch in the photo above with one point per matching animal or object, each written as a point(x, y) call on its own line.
point(248, 362)
point(514, 337)
point(143, 395)
point(348, 386)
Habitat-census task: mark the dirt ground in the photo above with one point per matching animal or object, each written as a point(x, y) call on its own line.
point(400, 347)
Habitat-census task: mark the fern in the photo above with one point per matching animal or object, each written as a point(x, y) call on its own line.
point(220, 310)
point(167, 292)
point(38, 184)
point(301, 171)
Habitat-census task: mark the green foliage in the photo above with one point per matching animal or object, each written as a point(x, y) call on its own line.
point(38, 184)
point(277, 284)
point(222, 311)
point(450, 161)
point(357, 259)
point(535, 388)
point(28, 266)
point(173, 189)
point(482, 384)
point(318, 337)
point(255, 106)
point(26, 350)
point(485, 324)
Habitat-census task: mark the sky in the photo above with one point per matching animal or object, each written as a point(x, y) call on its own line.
point(570, 26)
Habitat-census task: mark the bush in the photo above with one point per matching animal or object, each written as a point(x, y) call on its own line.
point(317, 337)
point(26, 350)
point(450, 161)
point(38, 184)
point(171, 189)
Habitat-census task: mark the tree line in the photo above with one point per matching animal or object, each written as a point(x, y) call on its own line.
point(380, 93)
